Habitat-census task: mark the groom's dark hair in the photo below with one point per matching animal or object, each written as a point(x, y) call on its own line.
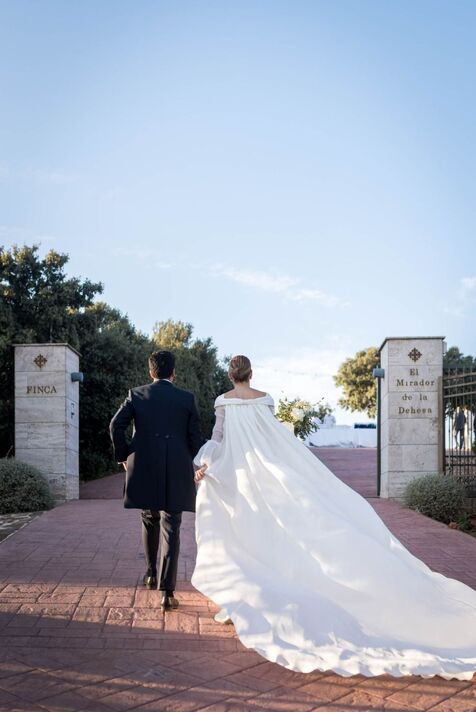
point(161, 364)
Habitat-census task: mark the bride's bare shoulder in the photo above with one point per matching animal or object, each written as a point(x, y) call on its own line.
point(257, 393)
point(249, 394)
point(225, 396)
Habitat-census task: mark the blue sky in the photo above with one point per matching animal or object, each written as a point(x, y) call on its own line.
point(296, 179)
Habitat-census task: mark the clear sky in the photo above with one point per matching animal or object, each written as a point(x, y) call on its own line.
point(296, 179)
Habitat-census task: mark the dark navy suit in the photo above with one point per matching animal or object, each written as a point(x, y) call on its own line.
point(159, 476)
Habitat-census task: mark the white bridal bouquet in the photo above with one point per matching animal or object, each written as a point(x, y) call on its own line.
point(302, 415)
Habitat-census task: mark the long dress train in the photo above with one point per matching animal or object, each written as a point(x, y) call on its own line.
point(305, 568)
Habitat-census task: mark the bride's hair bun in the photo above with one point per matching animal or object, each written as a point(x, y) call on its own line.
point(239, 369)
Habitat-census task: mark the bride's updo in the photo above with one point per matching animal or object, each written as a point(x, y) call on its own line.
point(239, 369)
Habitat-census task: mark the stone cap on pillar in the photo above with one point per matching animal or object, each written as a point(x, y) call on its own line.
point(408, 338)
point(49, 343)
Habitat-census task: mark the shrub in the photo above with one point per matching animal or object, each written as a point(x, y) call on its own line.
point(22, 488)
point(440, 497)
point(464, 521)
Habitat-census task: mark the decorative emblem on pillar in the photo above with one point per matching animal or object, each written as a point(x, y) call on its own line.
point(40, 360)
point(414, 354)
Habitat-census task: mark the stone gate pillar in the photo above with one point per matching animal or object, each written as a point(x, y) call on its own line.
point(47, 414)
point(410, 411)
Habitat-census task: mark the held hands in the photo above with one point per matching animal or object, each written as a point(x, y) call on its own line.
point(200, 473)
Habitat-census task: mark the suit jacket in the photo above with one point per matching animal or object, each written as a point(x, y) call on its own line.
point(165, 440)
point(459, 420)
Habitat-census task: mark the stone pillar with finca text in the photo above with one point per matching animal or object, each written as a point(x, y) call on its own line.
point(47, 414)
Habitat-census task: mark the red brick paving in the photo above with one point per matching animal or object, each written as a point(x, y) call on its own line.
point(78, 632)
point(104, 488)
point(357, 467)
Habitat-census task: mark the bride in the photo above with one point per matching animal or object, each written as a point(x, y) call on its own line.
point(303, 566)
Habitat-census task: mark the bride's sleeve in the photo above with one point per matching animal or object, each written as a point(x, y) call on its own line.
point(217, 433)
point(205, 454)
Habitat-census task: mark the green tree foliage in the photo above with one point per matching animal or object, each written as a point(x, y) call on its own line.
point(355, 378)
point(38, 303)
point(41, 304)
point(198, 368)
point(456, 363)
point(455, 360)
point(114, 358)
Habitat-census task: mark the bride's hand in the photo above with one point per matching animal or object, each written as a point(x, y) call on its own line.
point(200, 473)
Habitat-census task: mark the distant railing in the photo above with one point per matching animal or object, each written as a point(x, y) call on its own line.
point(459, 426)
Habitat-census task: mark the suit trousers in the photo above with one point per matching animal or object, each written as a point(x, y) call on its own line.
point(162, 527)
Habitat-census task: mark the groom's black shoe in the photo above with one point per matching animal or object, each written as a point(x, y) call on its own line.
point(168, 601)
point(150, 580)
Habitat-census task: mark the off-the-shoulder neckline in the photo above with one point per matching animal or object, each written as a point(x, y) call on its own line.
point(231, 398)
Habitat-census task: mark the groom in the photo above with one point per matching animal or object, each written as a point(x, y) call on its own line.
point(159, 467)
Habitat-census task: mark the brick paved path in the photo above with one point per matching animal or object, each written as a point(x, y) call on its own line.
point(78, 632)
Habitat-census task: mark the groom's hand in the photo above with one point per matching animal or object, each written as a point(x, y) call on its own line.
point(200, 473)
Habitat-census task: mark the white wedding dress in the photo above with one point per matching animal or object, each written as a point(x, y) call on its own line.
point(307, 571)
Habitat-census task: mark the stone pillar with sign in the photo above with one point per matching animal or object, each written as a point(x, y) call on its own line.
point(47, 414)
point(410, 411)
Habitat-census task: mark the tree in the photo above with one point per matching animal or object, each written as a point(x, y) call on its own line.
point(114, 358)
point(455, 360)
point(198, 367)
point(40, 304)
point(355, 378)
point(455, 363)
point(37, 303)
